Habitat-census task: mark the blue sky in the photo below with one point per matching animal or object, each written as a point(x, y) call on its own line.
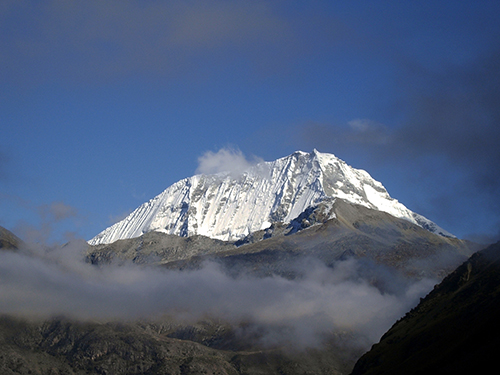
point(104, 104)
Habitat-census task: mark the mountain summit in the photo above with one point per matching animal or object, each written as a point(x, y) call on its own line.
point(229, 207)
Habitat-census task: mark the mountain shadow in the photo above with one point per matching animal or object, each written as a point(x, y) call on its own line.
point(454, 330)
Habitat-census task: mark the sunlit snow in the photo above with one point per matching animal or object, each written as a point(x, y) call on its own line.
point(228, 207)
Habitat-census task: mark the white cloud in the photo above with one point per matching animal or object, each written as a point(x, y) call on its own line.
point(225, 160)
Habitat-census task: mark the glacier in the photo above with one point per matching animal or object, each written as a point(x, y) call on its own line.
point(228, 207)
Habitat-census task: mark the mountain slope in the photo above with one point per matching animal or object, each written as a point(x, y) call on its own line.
point(333, 230)
point(229, 207)
point(454, 330)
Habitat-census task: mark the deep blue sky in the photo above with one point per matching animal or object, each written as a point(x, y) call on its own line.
point(104, 104)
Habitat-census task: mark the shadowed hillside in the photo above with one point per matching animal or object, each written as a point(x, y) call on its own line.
point(454, 330)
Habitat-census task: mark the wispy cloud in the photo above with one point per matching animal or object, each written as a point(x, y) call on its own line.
point(48, 220)
point(225, 160)
point(57, 211)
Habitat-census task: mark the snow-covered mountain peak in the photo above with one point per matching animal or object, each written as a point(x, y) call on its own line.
point(229, 207)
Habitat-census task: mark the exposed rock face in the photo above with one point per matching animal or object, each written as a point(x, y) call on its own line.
point(454, 330)
point(228, 207)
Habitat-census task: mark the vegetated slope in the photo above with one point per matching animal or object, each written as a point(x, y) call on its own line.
point(60, 346)
point(454, 330)
point(229, 207)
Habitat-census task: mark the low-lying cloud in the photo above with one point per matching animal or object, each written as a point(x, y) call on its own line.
point(57, 282)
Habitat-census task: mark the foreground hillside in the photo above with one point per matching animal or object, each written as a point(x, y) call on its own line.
point(454, 330)
point(60, 346)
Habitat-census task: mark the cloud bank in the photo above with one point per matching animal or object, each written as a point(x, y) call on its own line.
point(58, 282)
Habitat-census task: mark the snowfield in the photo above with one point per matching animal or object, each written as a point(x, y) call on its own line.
point(229, 207)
